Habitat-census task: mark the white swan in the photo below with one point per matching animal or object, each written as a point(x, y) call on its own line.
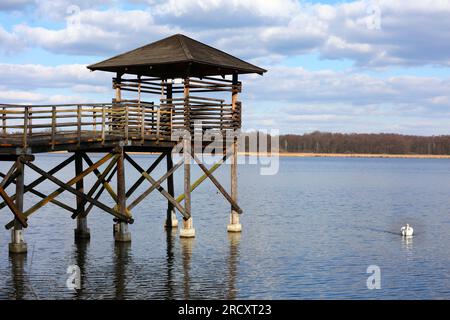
point(407, 231)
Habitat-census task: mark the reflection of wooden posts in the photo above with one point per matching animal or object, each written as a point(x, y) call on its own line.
point(186, 253)
point(19, 278)
point(121, 232)
point(234, 225)
point(18, 244)
point(171, 219)
point(82, 230)
point(234, 239)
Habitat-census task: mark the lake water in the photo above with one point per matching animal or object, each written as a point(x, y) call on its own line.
point(309, 232)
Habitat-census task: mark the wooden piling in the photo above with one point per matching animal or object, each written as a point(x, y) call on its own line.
point(18, 244)
point(171, 219)
point(82, 230)
point(121, 233)
point(234, 225)
point(188, 230)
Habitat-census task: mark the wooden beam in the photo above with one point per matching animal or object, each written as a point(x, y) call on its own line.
point(156, 185)
point(187, 178)
point(8, 175)
point(99, 193)
point(70, 189)
point(141, 178)
point(43, 196)
point(121, 185)
point(47, 175)
point(78, 170)
point(204, 176)
point(217, 184)
point(97, 173)
point(39, 180)
point(170, 187)
point(17, 214)
point(19, 220)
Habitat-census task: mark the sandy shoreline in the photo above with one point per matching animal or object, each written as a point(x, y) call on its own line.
point(326, 155)
point(350, 155)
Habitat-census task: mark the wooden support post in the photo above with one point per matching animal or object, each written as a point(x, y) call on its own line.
point(234, 225)
point(18, 244)
point(121, 232)
point(171, 219)
point(188, 230)
point(82, 231)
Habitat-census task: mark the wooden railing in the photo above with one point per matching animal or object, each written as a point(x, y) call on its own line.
point(210, 113)
point(23, 125)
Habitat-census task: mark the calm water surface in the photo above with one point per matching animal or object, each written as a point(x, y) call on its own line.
point(310, 232)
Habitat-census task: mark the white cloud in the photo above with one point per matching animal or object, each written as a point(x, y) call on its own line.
point(24, 76)
point(9, 42)
point(8, 5)
point(93, 32)
point(410, 33)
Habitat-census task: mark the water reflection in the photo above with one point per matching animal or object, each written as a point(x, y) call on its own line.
point(408, 249)
point(122, 258)
point(187, 245)
point(19, 277)
point(407, 243)
point(234, 240)
point(171, 234)
point(79, 256)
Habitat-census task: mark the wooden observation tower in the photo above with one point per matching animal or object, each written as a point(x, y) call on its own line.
point(188, 79)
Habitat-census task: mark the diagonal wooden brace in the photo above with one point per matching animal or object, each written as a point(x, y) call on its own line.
point(99, 193)
point(217, 184)
point(141, 178)
point(204, 176)
point(100, 180)
point(47, 175)
point(7, 177)
point(43, 196)
point(41, 179)
point(67, 187)
point(97, 173)
point(157, 185)
point(18, 215)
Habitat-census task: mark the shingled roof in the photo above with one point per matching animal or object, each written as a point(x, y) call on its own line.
point(174, 57)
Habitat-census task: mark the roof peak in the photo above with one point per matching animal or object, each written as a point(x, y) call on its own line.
point(176, 56)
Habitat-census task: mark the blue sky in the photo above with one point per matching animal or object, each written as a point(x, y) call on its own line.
point(341, 66)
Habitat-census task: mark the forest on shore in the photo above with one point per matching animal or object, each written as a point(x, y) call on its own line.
point(379, 143)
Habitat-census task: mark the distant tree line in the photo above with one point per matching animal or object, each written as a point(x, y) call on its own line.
point(387, 143)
